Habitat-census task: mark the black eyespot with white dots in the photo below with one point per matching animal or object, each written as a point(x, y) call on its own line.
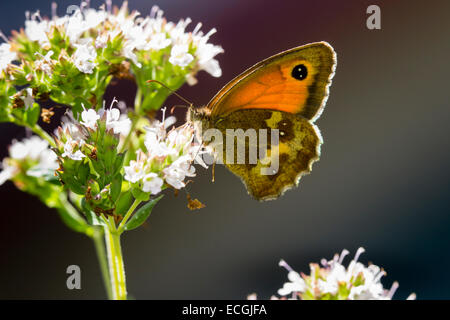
point(299, 72)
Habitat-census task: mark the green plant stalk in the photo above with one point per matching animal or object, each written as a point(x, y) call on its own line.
point(44, 135)
point(115, 261)
point(127, 216)
point(97, 237)
point(94, 232)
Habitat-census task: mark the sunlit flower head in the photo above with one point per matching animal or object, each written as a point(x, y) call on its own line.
point(89, 31)
point(334, 281)
point(31, 156)
point(169, 157)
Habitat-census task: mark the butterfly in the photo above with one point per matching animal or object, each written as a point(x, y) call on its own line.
point(285, 94)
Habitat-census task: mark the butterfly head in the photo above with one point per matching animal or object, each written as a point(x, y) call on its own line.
point(200, 118)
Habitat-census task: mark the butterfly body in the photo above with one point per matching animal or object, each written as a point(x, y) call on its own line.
point(283, 94)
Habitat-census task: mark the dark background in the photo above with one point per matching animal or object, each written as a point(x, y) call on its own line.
point(382, 181)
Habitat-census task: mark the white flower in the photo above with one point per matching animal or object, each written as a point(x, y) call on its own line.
point(159, 41)
point(101, 41)
point(205, 53)
point(92, 18)
point(179, 55)
point(69, 148)
point(6, 56)
point(89, 118)
point(296, 284)
point(135, 170)
point(45, 64)
point(37, 30)
point(33, 151)
point(128, 53)
point(8, 172)
point(71, 129)
point(152, 183)
point(120, 124)
point(169, 157)
point(177, 172)
point(47, 163)
point(84, 57)
point(28, 99)
point(74, 26)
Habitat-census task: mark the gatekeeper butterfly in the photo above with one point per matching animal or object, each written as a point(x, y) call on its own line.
point(286, 92)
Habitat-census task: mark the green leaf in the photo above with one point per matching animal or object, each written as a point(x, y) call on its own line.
point(32, 115)
point(141, 214)
point(91, 217)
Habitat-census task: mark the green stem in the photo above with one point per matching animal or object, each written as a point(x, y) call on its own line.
point(73, 219)
point(44, 135)
point(115, 261)
point(97, 236)
point(128, 215)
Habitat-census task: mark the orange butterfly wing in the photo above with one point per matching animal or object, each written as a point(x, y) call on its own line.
point(271, 84)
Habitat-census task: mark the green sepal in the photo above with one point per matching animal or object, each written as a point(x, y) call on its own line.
point(116, 187)
point(91, 217)
point(138, 194)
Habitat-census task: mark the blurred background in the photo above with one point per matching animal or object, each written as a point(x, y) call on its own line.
point(382, 181)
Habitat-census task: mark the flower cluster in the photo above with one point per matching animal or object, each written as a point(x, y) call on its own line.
point(71, 59)
point(31, 167)
point(7, 56)
point(31, 157)
point(74, 134)
point(168, 159)
point(334, 281)
point(88, 29)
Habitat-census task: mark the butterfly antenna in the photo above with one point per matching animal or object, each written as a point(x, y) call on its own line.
point(177, 106)
point(171, 91)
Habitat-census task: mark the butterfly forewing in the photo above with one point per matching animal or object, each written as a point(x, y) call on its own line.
point(294, 81)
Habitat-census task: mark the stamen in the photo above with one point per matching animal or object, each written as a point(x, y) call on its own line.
point(358, 253)
point(54, 8)
point(392, 290)
point(112, 103)
point(109, 6)
point(210, 33)
point(163, 115)
point(197, 28)
point(283, 264)
point(153, 12)
point(2, 35)
point(379, 276)
point(412, 296)
point(344, 253)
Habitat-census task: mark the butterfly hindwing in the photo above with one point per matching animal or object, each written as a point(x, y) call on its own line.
point(298, 148)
